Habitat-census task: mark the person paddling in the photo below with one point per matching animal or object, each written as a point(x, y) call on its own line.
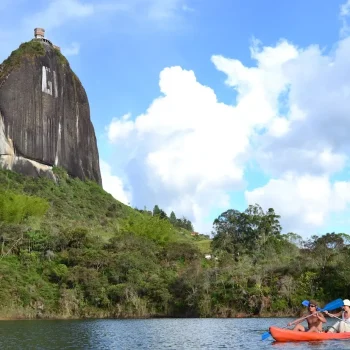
point(344, 324)
point(314, 321)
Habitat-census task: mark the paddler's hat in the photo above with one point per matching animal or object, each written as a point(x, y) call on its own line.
point(346, 302)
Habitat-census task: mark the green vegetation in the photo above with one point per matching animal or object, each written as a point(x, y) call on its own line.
point(61, 58)
point(31, 48)
point(69, 249)
point(204, 246)
point(271, 273)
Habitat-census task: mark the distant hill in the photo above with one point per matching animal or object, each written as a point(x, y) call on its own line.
point(69, 249)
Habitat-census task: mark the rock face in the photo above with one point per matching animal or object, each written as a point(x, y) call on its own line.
point(45, 115)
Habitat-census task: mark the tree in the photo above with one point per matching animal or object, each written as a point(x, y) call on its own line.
point(162, 214)
point(228, 233)
point(173, 218)
point(184, 223)
point(294, 238)
point(16, 208)
point(156, 210)
point(269, 225)
point(159, 212)
point(326, 248)
point(245, 232)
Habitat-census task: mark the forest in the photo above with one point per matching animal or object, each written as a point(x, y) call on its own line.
point(70, 250)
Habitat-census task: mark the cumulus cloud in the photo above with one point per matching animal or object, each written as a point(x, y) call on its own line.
point(317, 142)
point(120, 128)
point(258, 87)
point(187, 145)
point(189, 151)
point(113, 184)
point(307, 130)
point(304, 202)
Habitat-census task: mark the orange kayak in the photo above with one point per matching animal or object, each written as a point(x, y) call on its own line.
point(284, 335)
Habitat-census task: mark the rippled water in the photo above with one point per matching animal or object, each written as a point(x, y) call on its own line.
point(150, 334)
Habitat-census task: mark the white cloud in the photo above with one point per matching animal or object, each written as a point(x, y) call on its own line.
point(345, 9)
point(186, 8)
point(291, 115)
point(191, 147)
point(281, 156)
point(279, 127)
point(58, 12)
point(316, 139)
point(314, 143)
point(157, 11)
point(71, 50)
point(120, 128)
point(187, 143)
point(53, 14)
point(163, 9)
point(113, 184)
point(304, 202)
point(344, 14)
point(258, 87)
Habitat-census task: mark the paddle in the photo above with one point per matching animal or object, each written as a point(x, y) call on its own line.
point(335, 304)
point(306, 303)
point(340, 319)
point(338, 303)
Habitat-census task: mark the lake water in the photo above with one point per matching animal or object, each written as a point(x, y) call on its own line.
point(150, 334)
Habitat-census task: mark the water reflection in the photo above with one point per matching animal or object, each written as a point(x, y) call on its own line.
point(149, 334)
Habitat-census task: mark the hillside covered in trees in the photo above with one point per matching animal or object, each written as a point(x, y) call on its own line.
point(69, 249)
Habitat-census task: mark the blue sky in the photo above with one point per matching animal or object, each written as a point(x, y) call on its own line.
point(200, 106)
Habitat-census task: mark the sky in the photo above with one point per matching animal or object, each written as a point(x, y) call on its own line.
point(201, 106)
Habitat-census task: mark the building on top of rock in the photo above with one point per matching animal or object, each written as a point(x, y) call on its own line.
point(39, 34)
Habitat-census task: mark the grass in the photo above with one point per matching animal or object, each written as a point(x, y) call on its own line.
point(33, 48)
point(204, 246)
point(84, 203)
point(28, 49)
point(61, 58)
